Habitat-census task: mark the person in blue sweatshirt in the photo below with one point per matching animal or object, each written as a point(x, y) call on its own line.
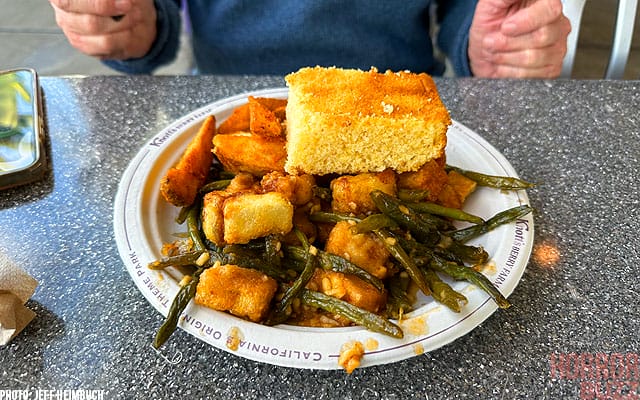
point(483, 38)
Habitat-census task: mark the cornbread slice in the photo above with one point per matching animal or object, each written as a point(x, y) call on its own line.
point(349, 121)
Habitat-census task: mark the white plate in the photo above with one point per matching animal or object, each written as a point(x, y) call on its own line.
point(143, 221)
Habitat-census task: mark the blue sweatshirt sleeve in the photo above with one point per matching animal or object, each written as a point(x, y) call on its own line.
point(164, 48)
point(455, 18)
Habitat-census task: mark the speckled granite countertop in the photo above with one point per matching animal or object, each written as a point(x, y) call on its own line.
point(573, 332)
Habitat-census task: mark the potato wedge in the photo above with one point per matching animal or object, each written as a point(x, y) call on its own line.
point(181, 183)
point(246, 152)
point(263, 121)
point(238, 121)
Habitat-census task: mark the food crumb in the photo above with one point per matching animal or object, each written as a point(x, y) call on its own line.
point(416, 325)
point(350, 355)
point(418, 349)
point(386, 107)
point(371, 344)
point(234, 337)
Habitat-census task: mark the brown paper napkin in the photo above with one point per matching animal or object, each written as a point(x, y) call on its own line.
point(16, 287)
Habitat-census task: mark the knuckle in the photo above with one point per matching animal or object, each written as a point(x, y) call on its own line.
point(555, 8)
point(91, 24)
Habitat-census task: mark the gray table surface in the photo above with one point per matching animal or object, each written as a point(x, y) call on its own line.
point(579, 139)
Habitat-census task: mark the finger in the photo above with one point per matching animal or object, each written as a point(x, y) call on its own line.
point(544, 37)
point(532, 17)
point(96, 7)
point(543, 72)
point(529, 58)
point(91, 24)
point(106, 46)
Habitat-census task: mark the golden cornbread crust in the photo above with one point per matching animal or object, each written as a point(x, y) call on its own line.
point(349, 121)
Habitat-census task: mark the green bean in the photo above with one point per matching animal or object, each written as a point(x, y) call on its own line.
point(330, 217)
point(322, 193)
point(498, 182)
point(272, 245)
point(392, 245)
point(185, 259)
point(448, 212)
point(279, 314)
point(461, 252)
point(443, 293)
point(182, 214)
point(373, 222)
point(215, 185)
point(332, 262)
point(424, 230)
point(398, 302)
point(180, 302)
point(244, 257)
point(461, 272)
point(501, 218)
point(193, 228)
point(413, 195)
point(355, 314)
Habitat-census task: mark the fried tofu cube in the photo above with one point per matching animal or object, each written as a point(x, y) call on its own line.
point(430, 177)
point(246, 152)
point(349, 288)
point(181, 183)
point(243, 292)
point(364, 250)
point(212, 217)
point(212, 214)
point(298, 189)
point(351, 193)
point(461, 184)
point(250, 216)
point(456, 191)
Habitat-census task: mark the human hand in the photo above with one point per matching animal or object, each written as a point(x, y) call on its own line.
point(518, 39)
point(90, 26)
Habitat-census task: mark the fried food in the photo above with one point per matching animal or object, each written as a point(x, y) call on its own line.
point(250, 216)
point(364, 250)
point(262, 120)
point(247, 152)
point(243, 292)
point(350, 193)
point(181, 183)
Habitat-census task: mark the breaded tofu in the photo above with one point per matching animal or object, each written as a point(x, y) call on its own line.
point(349, 288)
point(350, 193)
point(181, 183)
point(298, 189)
point(250, 216)
point(243, 292)
point(212, 213)
point(431, 177)
point(456, 190)
point(364, 250)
